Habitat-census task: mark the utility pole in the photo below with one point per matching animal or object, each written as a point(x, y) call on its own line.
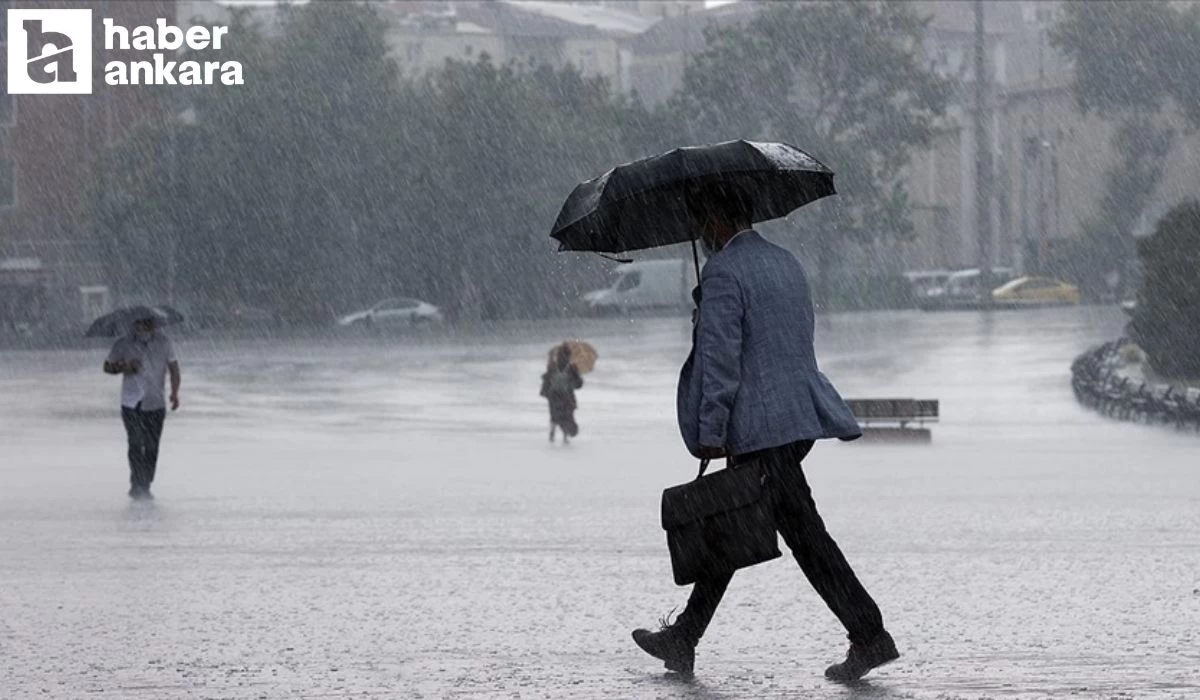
point(1043, 145)
point(179, 120)
point(173, 234)
point(983, 162)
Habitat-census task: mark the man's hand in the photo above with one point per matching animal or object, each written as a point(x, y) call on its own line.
point(126, 367)
point(707, 452)
point(174, 402)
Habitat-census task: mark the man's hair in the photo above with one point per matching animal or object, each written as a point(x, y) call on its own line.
point(723, 200)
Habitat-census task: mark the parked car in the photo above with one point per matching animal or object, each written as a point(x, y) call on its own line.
point(1036, 291)
point(398, 311)
point(926, 282)
point(961, 290)
point(645, 286)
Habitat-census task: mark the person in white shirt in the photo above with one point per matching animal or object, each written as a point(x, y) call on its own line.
point(144, 358)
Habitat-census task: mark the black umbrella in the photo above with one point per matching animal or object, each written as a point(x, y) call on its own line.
point(643, 204)
point(120, 322)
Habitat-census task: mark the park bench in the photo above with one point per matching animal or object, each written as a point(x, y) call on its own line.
point(902, 419)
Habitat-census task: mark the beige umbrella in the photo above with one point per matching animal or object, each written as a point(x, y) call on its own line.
point(583, 355)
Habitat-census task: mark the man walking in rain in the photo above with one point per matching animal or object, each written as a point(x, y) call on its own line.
point(144, 358)
point(751, 391)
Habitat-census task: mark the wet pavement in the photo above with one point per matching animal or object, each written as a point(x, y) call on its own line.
point(383, 517)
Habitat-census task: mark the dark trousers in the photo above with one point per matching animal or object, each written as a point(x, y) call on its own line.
point(562, 414)
point(143, 429)
point(797, 520)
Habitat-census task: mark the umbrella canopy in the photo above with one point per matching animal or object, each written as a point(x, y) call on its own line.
point(120, 322)
point(643, 204)
point(583, 355)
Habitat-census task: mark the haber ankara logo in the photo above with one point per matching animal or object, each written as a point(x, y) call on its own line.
point(50, 52)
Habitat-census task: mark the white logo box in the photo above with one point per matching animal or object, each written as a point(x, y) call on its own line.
point(53, 62)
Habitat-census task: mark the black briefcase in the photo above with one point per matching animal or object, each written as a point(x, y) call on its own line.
point(719, 523)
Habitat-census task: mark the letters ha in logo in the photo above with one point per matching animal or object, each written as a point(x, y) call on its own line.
point(50, 52)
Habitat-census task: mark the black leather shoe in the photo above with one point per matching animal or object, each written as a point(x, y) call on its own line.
point(677, 654)
point(863, 657)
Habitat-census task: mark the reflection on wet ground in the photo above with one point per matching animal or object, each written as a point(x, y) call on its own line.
point(381, 517)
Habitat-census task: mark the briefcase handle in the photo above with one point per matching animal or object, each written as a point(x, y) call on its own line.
point(704, 466)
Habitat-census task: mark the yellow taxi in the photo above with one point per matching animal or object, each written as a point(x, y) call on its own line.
point(1036, 291)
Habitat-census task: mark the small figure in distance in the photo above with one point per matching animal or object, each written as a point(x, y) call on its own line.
point(559, 384)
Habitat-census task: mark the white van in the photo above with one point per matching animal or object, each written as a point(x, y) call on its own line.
point(961, 290)
point(646, 286)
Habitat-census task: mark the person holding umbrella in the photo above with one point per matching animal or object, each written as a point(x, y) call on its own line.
point(143, 358)
point(751, 390)
point(559, 383)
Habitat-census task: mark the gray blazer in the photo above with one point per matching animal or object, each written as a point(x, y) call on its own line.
point(751, 381)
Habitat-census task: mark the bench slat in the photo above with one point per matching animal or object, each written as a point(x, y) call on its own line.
point(895, 410)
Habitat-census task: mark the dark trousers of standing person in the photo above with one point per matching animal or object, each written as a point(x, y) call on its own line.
point(143, 429)
point(797, 520)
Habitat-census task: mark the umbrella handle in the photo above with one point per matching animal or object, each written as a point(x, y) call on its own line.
point(696, 259)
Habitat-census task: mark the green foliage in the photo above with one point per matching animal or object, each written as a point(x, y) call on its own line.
point(845, 80)
point(1166, 323)
point(1133, 61)
point(328, 181)
point(1129, 187)
point(1128, 55)
point(508, 145)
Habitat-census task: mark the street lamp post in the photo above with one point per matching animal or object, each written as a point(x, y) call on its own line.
point(1041, 141)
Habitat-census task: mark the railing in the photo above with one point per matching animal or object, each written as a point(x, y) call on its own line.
point(1097, 385)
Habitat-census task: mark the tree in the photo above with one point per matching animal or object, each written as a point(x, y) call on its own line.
point(1133, 64)
point(328, 181)
point(508, 143)
point(274, 196)
point(845, 80)
point(1142, 145)
point(1166, 323)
